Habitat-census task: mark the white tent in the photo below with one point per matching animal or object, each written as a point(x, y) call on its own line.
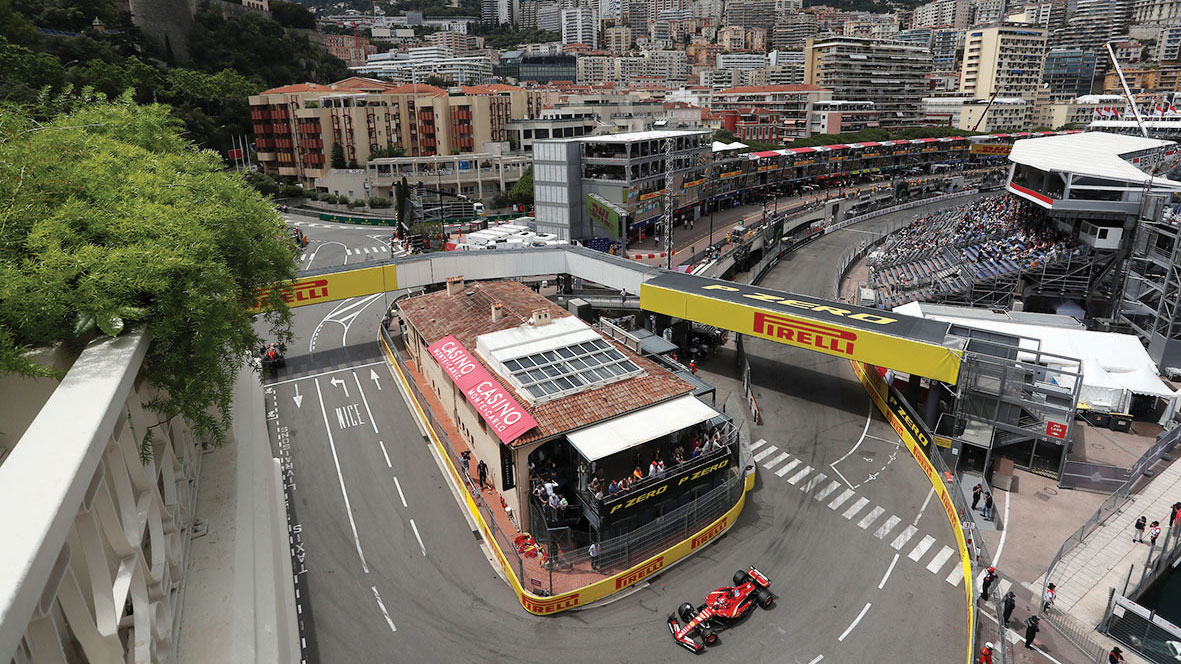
point(621, 433)
point(1114, 366)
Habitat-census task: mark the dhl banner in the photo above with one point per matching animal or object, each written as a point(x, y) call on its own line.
point(652, 194)
point(693, 183)
point(991, 148)
point(336, 286)
point(804, 162)
point(587, 594)
point(730, 174)
point(907, 344)
point(769, 167)
point(906, 426)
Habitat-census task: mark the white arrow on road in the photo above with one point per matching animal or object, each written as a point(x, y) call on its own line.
point(298, 397)
point(341, 384)
point(373, 375)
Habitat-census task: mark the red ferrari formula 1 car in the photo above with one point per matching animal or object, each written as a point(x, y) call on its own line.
point(723, 608)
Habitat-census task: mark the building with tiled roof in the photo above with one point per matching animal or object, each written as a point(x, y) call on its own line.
point(528, 385)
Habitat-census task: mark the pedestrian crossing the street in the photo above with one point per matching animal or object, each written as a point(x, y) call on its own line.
point(940, 560)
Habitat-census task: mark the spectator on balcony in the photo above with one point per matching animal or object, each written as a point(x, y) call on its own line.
point(678, 455)
point(613, 488)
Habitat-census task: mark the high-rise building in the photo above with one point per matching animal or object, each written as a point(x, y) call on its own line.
point(618, 39)
point(954, 13)
point(792, 32)
point(353, 51)
point(1168, 45)
point(1092, 24)
point(1157, 12)
point(1069, 73)
point(890, 74)
point(786, 107)
point(785, 7)
point(942, 42)
point(988, 11)
point(751, 13)
point(1005, 59)
point(549, 16)
point(579, 26)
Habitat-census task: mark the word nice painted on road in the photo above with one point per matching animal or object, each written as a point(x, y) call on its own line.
point(494, 404)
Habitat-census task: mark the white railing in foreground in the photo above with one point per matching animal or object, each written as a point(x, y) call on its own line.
point(96, 542)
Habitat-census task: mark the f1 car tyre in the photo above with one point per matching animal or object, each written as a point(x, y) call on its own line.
point(765, 599)
point(740, 577)
point(686, 612)
point(709, 636)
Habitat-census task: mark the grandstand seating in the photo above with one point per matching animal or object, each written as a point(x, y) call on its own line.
point(947, 253)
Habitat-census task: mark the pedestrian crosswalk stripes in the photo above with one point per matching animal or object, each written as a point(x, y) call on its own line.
point(841, 499)
point(303, 257)
point(348, 252)
point(861, 502)
point(903, 538)
point(776, 460)
point(870, 518)
point(787, 469)
point(795, 471)
point(816, 481)
point(940, 558)
point(886, 527)
point(765, 452)
point(920, 549)
point(826, 491)
point(957, 574)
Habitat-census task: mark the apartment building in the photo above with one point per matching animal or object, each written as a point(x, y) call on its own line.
point(296, 126)
point(416, 65)
point(837, 117)
point(579, 26)
point(618, 39)
point(1157, 12)
point(751, 13)
point(942, 42)
point(1069, 73)
point(456, 42)
point(1007, 57)
point(1005, 114)
point(1155, 80)
point(940, 13)
point(890, 74)
point(793, 32)
point(353, 51)
point(788, 107)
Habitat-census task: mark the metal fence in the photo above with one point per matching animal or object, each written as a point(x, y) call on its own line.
point(550, 570)
point(1142, 630)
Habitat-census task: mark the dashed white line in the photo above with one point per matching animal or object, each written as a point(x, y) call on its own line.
point(894, 520)
point(366, 249)
point(888, 570)
point(827, 491)
point(939, 559)
point(776, 460)
point(768, 451)
point(817, 660)
point(861, 502)
point(416, 535)
point(787, 469)
point(400, 494)
point(920, 549)
point(871, 517)
point(841, 499)
point(366, 401)
point(381, 605)
point(347, 507)
point(795, 479)
point(903, 538)
point(384, 454)
point(855, 621)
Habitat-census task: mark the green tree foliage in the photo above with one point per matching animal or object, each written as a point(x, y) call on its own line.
point(292, 15)
point(521, 193)
point(507, 37)
point(113, 221)
point(439, 82)
point(337, 156)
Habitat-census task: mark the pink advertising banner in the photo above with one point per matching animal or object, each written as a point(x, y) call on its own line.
point(506, 417)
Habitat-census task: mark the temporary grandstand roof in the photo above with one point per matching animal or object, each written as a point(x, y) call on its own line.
point(722, 147)
point(621, 433)
point(1090, 153)
point(1113, 366)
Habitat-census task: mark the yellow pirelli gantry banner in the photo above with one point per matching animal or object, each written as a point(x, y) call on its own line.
point(903, 343)
point(336, 286)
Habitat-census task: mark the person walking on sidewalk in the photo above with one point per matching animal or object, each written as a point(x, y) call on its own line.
point(1115, 656)
point(977, 492)
point(466, 456)
point(1049, 596)
point(1140, 523)
point(482, 470)
point(988, 506)
point(1009, 604)
point(986, 585)
point(1031, 629)
point(1153, 532)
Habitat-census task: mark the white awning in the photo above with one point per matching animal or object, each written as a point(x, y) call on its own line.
point(618, 434)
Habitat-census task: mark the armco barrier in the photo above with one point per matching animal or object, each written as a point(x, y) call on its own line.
point(905, 206)
point(588, 594)
point(912, 433)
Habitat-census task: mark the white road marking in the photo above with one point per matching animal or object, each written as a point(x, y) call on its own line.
point(833, 465)
point(871, 517)
point(348, 252)
point(418, 537)
point(757, 444)
point(795, 479)
point(840, 500)
point(365, 401)
point(400, 494)
point(855, 621)
point(776, 460)
point(385, 454)
point(381, 605)
point(347, 507)
point(996, 559)
point(303, 257)
point(881, 533)
point(888, 570)
point(903, 538)
point(816, 481)
point(787, 469)
point(817, 660)
point(939, 559)
point(957, 574)
point(926, 501)
point(324, 373)
point(920, 549)
point(826, 491)
point(767, 451)
point(365, 248)
point(861, 502)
